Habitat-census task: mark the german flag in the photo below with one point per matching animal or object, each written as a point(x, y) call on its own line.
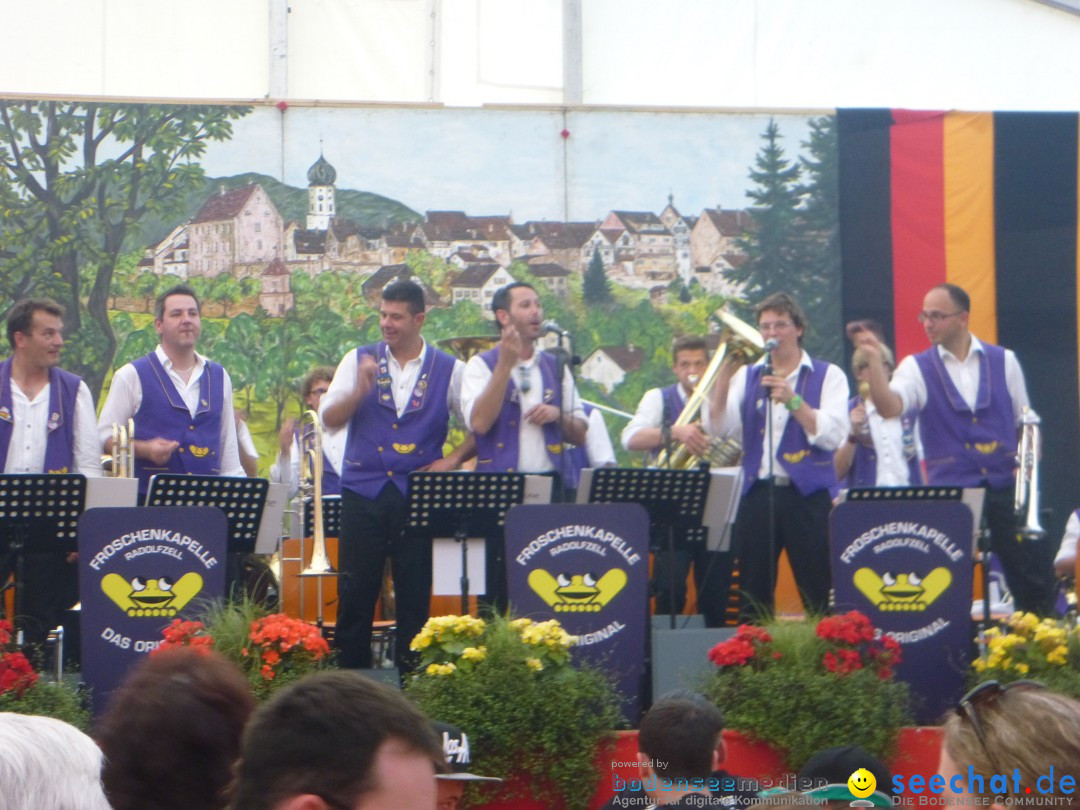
point(988, 201)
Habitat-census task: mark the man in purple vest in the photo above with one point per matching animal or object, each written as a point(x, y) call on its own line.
point(651, 430)
point(286, 468)
point(878, 452)
point(182, 402)
point(521, 414)
point(47, 425)
point(792, 415)
point(395, 397)
point(969, 396)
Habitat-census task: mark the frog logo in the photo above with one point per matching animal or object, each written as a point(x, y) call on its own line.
point(577, 593)
point(986, 448)
point(795, 458)
point(151, 597)
point(403, 449)
point(198, 452)
point(902, 591)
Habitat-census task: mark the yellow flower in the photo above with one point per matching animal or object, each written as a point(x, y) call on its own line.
point(440, 669)
point(535, 664)
point(1022, 668)
point(1058, 655)
point(422, 640)
point(474, 653)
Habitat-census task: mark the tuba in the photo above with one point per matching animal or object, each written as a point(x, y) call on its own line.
point(740, 340)
point(1026, 498)
point(311, 473)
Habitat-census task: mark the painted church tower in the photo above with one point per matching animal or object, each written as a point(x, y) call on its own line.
point(321, 211)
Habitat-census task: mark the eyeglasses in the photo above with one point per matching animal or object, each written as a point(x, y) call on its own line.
point(775, 326)
point(984, 693)
point(937, 317)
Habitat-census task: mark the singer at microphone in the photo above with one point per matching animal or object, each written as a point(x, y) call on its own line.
point(807, 422)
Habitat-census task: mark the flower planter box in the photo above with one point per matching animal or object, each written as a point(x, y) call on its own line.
point(917, 752)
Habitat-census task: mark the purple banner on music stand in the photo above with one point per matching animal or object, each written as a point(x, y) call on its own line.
point(586, 565)
point(907, 564)
point(140, 568)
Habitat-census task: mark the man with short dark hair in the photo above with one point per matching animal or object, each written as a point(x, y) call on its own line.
point(970, 397)
point(47, 425)
point(182, 402)
point(337, 741)
point(653, 429)
point(680, 749)
point(395, 397)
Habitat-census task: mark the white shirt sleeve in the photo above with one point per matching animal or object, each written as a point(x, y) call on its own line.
point(598, 442)
point(1014, 382)
point(908, 384)
point(454, 393)
point(1068, 542)
point(87, 450)
point(833, 420)
point(230, 454)
point(729, 425)
point(649, 414)
point(343, 383)
point(123, 400)
point(572, 404)
point(473, 383)
point(287, 472)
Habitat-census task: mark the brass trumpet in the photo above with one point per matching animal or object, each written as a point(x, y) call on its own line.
point(311, 473)
point(1026, 498)
point(742, 341)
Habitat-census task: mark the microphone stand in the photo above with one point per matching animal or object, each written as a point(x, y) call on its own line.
point(767, 370)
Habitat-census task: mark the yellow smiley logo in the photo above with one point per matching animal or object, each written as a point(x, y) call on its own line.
point(861, 783)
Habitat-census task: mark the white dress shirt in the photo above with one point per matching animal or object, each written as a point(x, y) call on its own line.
point(532, 448)
point(888, 438)
point(909, 385)
point(26, 450)
point(833, 422)
point(402, 382)
point(125, 398)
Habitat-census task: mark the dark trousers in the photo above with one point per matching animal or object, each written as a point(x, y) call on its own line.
point(712, 579)
point(372, 530)
point(802, 527)
point(1028, 564)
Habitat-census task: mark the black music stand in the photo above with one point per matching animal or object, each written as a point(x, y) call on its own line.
point(460, 505)
point(39, 514)
point(241, 499)
point(674, 499)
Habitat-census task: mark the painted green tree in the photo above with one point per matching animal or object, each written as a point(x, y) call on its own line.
point(771, 256)
point(597, 285)
point(75, 178)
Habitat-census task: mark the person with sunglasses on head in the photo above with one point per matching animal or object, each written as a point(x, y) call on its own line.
point(1016, 729)
point(970, 397)
point(790, 411)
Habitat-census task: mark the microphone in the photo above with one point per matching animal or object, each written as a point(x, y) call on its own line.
point(550, 326)
point(770, 344)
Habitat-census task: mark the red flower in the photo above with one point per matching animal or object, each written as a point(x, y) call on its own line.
point(16, 674)
point(850, 628)
point(733, 652)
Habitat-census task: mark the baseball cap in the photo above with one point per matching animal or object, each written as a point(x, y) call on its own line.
point(455, 745)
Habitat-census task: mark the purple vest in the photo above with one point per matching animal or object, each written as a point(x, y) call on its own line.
point(163, 413)
point(964, 448)
point(381, 446)
point(60, 441)
point(673, 403)
point(497, 450)
point(863, 472)
point(811, 468)
point(578, 457)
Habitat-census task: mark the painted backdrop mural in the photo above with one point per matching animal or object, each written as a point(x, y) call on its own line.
point(288, 222)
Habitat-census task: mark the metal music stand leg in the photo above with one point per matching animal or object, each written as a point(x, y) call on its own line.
point(462, 537)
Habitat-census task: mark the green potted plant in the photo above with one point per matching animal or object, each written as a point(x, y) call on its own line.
point(533, 718)
point(803, 686)
point(271, 649)
point(1027, 647)
point(24, 692)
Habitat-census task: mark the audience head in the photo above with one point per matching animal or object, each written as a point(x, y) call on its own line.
point(682, 736)
point(171, 734)
point(338, 741)
point(825, 776)
point(47, 763)
point(451, 782)
point(999, 729)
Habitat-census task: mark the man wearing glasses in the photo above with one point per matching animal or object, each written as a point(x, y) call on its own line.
point(970, 396)
point(791, 412)
point(286, 469)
